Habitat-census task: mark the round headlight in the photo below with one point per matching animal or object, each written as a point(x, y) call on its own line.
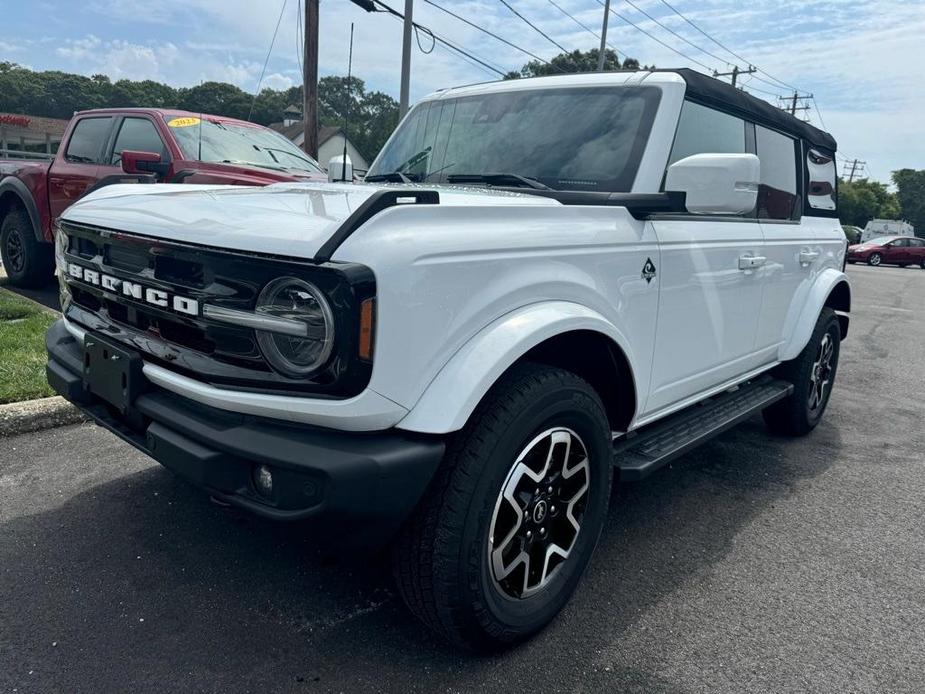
point(307, 345)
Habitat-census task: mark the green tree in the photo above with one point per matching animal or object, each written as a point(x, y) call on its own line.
point(863, 200)
point(572, 62)
point(910, 190)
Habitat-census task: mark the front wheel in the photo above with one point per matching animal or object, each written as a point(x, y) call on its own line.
point(874, 259)
point(27, 261)
point(507, 527)
point(812, 374)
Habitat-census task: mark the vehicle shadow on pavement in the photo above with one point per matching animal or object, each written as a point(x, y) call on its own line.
point(140, 583)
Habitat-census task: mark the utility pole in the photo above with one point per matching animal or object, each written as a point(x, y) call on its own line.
point(791, 104)
point(310, 80)
point(856, 165)
point(735, 73)
point(406, 60)
point(600, 57)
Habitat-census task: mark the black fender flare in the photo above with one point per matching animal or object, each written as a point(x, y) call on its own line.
point(11, 184)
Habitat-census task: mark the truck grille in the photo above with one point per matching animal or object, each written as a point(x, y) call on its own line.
point(218, 353)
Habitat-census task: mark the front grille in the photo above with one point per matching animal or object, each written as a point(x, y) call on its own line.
point(215, 352)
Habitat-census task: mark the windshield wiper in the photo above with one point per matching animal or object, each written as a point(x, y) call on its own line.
point(498, 179)
point(391, 177)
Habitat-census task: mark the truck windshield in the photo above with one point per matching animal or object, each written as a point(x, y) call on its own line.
point(571, 138)
point(233, 143)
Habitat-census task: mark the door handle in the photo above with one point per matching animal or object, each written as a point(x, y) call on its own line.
point(750, 262)
point(807, 257)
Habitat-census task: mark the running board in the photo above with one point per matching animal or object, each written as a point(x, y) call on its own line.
point(645, 450)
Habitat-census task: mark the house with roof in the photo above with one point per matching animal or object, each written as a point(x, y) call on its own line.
point(330, 139)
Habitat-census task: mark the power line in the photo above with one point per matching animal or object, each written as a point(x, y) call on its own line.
point(673, 32)
point(493, 35)
point(724, 47)
point(535, 28)
point(582, 25)
point(265, 62)
point(655, 38)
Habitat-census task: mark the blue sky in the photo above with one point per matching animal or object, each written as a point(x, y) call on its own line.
point(862, 59)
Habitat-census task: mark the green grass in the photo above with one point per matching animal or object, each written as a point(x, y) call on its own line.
point(22, 349)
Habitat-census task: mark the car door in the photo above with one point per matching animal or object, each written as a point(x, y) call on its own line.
point(917, 251)
point(77, 168)
point(134, 133)
point(897, 252)
point(709, 276)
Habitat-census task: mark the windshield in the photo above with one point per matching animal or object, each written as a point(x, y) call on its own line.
point(234, 143)
point(575, 138)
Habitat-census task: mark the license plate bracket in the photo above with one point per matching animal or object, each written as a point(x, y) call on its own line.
point(112, 372)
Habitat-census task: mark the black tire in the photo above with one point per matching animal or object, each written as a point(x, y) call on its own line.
point(26, 261)
point(922, 265)
point(441, 560)
point(874, 259)
point(799, 413)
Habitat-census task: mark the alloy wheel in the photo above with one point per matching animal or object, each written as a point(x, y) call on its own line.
point(15, 252)
point(875, 259)
point(538, 513)
point(821, 374)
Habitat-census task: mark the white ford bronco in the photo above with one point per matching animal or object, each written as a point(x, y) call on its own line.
point(541, 285)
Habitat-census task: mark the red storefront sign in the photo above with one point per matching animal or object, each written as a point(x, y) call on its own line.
point(13, 119)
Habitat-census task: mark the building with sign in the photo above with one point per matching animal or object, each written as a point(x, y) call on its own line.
point(32, 137)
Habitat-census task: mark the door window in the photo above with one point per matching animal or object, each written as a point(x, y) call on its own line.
point(777, 189)
point(87, 140)
point(137, 135)
point(703, 130)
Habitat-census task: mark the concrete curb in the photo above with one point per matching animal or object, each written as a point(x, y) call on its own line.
point(36, 415)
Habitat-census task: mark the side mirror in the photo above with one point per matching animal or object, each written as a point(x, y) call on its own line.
point(716, 183)
point(143, 162)
point(340, 170)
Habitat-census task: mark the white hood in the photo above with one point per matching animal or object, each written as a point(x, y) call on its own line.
point(293, 219)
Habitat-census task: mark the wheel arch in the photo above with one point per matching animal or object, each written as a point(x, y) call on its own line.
point(831, 290)
point(561, 334)
point(14, 193)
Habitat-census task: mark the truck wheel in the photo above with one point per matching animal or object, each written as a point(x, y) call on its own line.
point(27, 262)
point(874, 259)
point(813, 375)
point(509, 523)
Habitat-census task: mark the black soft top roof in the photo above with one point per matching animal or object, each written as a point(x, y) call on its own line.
point(713, 92)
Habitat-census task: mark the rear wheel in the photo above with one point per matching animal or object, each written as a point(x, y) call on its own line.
point(27, 261)
point(812, 374)
point(922, 264)
point(509, 523)
point(874, 259)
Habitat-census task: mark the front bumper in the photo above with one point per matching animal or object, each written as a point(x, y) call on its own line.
point(367, 479)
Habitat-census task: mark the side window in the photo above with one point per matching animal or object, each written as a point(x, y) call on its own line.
point(704, 130)
point(917, 243)
point(777, 190)
point(87, 138)
point(820, 180)
point(140, 135)
point(900, 243)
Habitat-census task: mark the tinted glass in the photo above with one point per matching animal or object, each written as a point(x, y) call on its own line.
point(820, 177)
point(87, 140)
point(777, 190)
point(917, 243)
point(137, 135)
point(581, 138)
point(702, 130)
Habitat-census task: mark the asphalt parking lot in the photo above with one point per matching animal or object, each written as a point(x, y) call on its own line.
point(753, 564)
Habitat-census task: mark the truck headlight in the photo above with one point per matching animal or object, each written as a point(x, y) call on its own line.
point(306, 343)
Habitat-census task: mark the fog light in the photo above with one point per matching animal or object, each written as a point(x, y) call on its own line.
point(263, 480)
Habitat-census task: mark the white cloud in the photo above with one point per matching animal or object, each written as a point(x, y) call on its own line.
point(277, 81)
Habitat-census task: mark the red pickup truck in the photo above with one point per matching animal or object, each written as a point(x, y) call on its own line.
point(132, 145)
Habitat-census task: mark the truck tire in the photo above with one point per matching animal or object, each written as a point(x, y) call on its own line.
point(812, 374)
point(27, 261)
point(874, 259)
point(528, 477)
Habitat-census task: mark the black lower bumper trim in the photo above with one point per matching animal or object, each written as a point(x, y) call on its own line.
point(374, 478)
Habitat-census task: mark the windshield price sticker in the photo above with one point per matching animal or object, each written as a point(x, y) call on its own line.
point(183, 122)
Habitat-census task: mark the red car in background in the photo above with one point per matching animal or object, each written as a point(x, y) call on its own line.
point(889, 250)
point(132, 145)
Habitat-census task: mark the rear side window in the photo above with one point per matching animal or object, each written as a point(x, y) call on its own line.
point(87, 140)
point(917, 243)
point(702, 130)
point(777, 189)
point(820, 180)
point(137, 135)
